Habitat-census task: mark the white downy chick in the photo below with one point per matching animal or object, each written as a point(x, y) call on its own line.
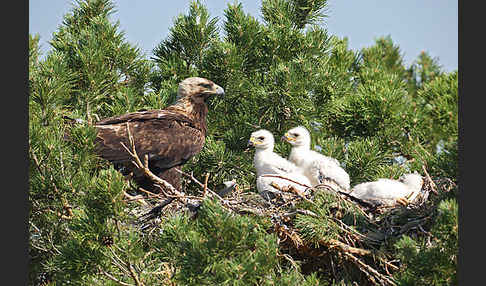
point(316, 166)
point(388, 192)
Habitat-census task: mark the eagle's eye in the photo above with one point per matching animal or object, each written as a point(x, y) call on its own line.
point(296, 135)
point(205, 85)
point(261, 138)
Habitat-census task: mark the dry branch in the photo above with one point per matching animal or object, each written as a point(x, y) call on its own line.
point(333, 243)
point(285, 178)
point(303, 212)
point(288, 189)
point(144, 166)
point(431, 182)
point(149, 193)
point(204, 186)
point(365, 268)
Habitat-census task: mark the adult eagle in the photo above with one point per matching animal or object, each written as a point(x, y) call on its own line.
point(169, 137)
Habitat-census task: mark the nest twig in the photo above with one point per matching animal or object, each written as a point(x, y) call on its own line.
point(431, 182)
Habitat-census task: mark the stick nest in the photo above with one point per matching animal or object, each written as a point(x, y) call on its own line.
point(325, 230)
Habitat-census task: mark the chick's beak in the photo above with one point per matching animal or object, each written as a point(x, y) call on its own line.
point(286, 137)
point(251, 142)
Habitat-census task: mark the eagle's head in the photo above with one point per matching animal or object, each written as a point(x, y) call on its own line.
point(262, 139)
point(297, 136)
point(197, 89)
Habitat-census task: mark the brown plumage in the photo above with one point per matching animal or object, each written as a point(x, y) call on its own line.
point(169, 137)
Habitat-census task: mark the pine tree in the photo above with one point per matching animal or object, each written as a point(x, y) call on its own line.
point(110, 74)
point(75, 198)
point(379, 118)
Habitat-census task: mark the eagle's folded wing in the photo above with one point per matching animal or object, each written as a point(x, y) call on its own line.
point(166, 140)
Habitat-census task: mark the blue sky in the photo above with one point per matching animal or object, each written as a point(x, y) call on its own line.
point(414, 25)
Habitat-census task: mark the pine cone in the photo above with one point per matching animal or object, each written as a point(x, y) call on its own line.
point(107, 240)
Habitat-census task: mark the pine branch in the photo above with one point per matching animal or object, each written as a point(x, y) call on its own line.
point(134, 275)
point(111, 277)
point(37, 164)
point(117, 261)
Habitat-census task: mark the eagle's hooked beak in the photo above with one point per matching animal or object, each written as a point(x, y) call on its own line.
point(216, 90)
point(219, 90)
